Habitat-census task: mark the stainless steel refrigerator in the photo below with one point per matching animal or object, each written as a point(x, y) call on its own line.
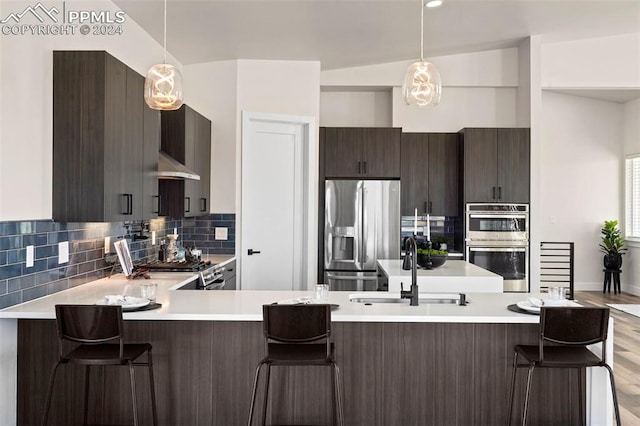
point(361, 225)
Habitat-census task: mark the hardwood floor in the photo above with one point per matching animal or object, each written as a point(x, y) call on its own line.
point(626, 351)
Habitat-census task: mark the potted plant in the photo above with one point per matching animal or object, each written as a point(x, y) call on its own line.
point(436, 257)
point(612, 245)
point(440, 243)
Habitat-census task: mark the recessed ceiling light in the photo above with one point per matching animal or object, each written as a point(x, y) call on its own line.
point(434, 3)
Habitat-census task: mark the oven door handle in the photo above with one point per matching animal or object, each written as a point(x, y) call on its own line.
point(210, 277)
point(498, 216)
point(502, 249)
point(216, 285)
point(351, 277)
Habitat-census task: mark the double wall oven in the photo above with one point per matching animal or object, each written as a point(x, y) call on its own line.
point(497, 239)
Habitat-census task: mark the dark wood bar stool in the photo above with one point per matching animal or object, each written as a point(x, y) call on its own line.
point(569, 330)
point(97, 332)
point(298, 335)
point(612, 275)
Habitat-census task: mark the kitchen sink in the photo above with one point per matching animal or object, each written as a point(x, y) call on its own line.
point(425, 298)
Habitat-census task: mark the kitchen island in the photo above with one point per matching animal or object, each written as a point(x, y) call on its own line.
point(454, 276)
point(434, 364)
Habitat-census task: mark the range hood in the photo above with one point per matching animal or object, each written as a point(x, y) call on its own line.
point(170, 168)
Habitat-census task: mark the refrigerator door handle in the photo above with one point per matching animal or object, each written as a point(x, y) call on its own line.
point(365, 227)
point(357, 243)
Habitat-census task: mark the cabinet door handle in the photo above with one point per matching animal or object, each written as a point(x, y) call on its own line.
point(499, 193)
point(494, 193)
point(203, 204)
point(425, 207)
point(251, 252)
point(365, 167)
point(188, 200)
point(157, 210)
point(128, 207)
point(430, 207)
point(359, 167)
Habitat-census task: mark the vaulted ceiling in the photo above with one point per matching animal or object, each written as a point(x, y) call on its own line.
point(345, 33)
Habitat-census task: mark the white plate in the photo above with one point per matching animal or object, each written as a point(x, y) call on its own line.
point(527, 306)
point(129, 303)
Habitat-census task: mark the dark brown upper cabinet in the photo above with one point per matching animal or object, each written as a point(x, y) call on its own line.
point(496, 165)
point(105, 141)
point(364, 153)
point(430, 173)
point(186, 136)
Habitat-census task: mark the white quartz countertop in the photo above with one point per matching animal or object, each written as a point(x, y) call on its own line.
point(225, 305)
point(454, 275)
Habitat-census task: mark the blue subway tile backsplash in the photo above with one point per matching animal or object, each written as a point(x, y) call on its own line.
point(87, 261)
point(200, 232)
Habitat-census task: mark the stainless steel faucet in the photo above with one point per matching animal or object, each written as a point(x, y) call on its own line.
point(412, 294)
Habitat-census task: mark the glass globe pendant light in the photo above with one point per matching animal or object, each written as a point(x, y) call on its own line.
point(422, 85)
point(163, 85)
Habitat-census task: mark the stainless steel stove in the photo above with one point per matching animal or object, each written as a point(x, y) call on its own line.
point(210, 277)
point(191, 266)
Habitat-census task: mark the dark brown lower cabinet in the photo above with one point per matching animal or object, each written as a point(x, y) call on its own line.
point(394, 374)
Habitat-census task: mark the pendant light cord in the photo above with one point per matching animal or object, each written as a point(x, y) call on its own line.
point(421, 30)
point(164, 42)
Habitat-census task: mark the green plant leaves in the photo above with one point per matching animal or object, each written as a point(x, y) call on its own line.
point(612, 241)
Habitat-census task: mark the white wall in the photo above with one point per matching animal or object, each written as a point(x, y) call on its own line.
point(211, 89)
point(460, 107)
point(530, 58)
point(491, 68)
point(580, 177)
point(525, 69)
point(26, 103)
point(606, 62)
point(631, 137)
point(355, 108)
point(479, 89)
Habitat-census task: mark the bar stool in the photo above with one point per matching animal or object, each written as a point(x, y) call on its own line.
point(570, 330)
point(98, 332)
point(609, 275)
point(292, 333)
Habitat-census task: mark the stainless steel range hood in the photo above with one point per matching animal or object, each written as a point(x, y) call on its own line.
point(170, 168)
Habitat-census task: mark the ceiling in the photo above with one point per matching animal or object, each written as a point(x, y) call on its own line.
point(347, 33)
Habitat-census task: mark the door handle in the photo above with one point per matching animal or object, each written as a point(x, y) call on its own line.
point(251, 252)
point(188, 207)
point(365, 167)
point(157, 198)
point(128, 200)
point(359, 167)
point(494, 193)
point(499, 193)
point(430, 207)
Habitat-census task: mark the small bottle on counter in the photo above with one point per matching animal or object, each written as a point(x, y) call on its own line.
point(161, 252)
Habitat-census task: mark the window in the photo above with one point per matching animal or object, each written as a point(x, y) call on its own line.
point(632, 197)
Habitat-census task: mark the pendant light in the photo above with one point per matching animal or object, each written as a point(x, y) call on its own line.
point(163, 85)
point(422, 84)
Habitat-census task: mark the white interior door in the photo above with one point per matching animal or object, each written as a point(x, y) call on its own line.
point(272, 220)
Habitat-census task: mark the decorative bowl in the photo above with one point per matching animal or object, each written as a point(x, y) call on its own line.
point(437, 260)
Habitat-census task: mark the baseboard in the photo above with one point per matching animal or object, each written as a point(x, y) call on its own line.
point(597, 286)
point(630, 288)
